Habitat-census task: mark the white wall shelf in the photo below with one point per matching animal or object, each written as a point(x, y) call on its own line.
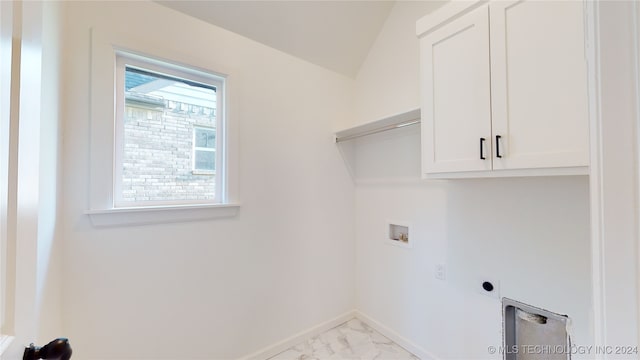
point(411, 117)
point(387, 147)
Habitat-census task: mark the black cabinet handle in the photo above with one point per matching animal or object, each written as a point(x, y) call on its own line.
point(482, 140)
point(498, 137)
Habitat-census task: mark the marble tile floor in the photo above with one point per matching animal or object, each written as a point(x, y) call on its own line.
point(352, 340)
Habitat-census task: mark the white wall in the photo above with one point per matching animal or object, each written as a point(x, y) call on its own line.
point(8, 270)
point(387, 82)
point(530, 234)
point(49, 244)
point(221, 288)
point(33, 252)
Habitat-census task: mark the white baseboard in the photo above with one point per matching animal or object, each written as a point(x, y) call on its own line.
point(283, 345)
point(397, 338)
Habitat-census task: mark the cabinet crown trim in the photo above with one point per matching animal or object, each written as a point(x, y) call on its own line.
point(444, 14)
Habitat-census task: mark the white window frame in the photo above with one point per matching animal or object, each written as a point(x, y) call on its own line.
point(125, 59)
point(105, 50)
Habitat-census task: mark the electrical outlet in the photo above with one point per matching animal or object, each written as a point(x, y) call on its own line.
point(441, 272)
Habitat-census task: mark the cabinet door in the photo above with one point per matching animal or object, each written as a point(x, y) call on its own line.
point(456, 112)
point(539, 84)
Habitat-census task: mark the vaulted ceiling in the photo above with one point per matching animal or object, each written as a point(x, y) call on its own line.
point(336, 35)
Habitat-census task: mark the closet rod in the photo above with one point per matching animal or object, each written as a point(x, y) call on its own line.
point(378, 130)
point(406, 118)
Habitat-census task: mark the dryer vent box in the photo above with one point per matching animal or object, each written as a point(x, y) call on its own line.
point(531, 333)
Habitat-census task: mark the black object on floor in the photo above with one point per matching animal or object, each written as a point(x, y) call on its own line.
point(58, 349)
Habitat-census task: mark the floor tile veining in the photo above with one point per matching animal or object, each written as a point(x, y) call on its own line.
point(351, 340)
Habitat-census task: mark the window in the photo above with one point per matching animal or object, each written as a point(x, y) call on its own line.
point(167, 119)
point(144, 116)
point(204, 150)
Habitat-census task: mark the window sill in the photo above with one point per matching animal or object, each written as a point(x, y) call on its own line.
point(203, 172)
point(5, 341)
point(160, 214)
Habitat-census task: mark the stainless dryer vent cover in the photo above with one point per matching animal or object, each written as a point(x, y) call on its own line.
point(531, 333)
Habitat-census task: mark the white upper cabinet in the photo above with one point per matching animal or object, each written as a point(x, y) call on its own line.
point(512, 73)
point(539, 84)
point(456, 128)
